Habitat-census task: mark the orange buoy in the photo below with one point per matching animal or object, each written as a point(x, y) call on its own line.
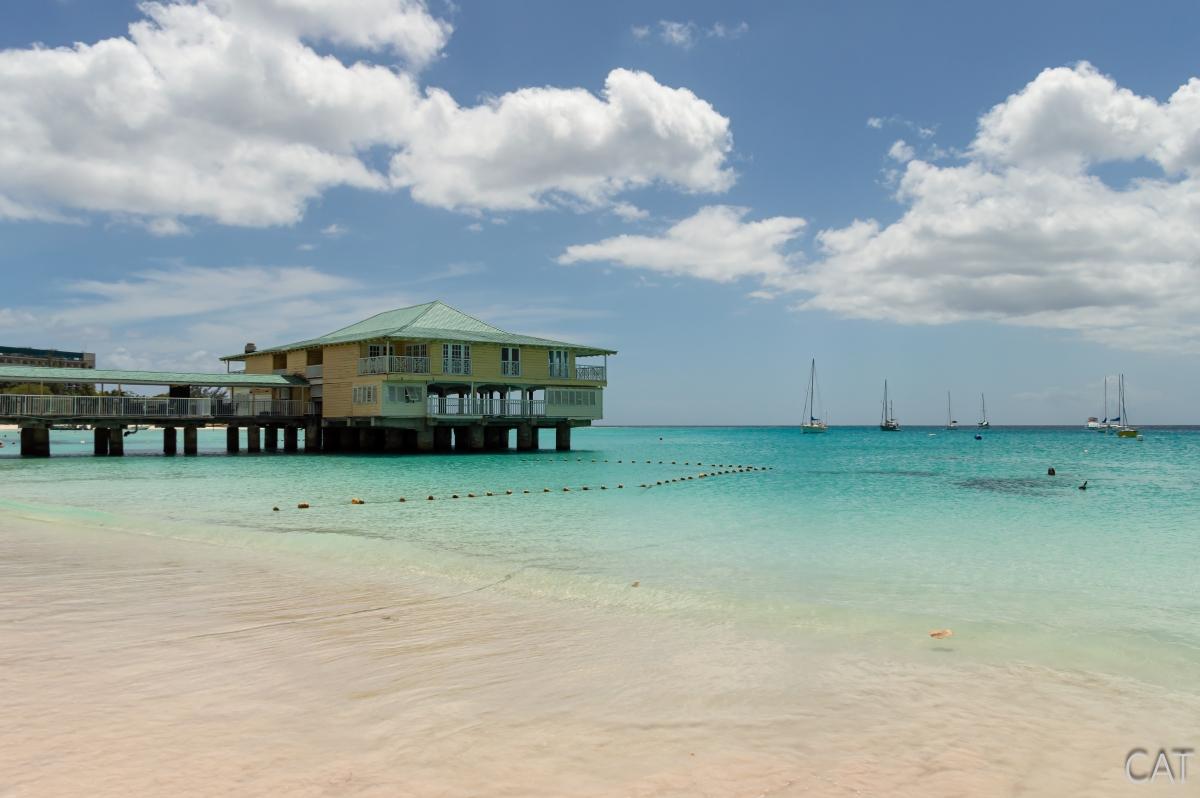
point(357, 501)
point(401, 498)
point(941, 634)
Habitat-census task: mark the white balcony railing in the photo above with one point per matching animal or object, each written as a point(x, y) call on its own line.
point(559, 371)
point(510, 368)
point(592, 373)
point(475, 406)
point(19, 406)
point(395, 364)
point(456, 365)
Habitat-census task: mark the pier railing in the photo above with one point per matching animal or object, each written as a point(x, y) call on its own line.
point(22, 406)
point(475, 406)
point(594, 373)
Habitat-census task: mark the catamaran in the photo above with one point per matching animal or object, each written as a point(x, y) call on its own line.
point(983, 421)
point(1125, 429)
point(887, 418)
point(950, 422)
point(811, 422)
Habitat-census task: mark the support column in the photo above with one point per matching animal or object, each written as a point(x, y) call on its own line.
point(35, 441)
point(169, 440)
point(253, 442)
point(100, 442)
point(425, 437)
point(314, 437)
point(526, 437)
point(462, 438)
point(393, 440)
point(271, 438)
point(232, 439)
point(491, 438)
point(291, 439)
point(116, 442)
point(190, 440)
point(365, 438)
point(475, 437)
point(562, 437)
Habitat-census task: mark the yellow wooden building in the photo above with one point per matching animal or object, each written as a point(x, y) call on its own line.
point(430, 377)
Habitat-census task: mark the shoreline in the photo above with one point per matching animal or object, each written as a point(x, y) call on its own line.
point(151, 664)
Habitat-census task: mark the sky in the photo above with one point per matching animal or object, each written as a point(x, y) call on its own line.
point(974, 198)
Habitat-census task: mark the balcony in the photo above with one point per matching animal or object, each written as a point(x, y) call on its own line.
point(591, 373)
point(450, 406)
point(510, 368)
point(315, 372)
point(456, 365)
point(396, 364)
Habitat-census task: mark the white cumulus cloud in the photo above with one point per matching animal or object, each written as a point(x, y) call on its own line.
point(228, 111)
point(716, 243)
point(1020, 230)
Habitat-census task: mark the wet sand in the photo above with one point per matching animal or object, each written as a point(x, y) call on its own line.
point(134, 665)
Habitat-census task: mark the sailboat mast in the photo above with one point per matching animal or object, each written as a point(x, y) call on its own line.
point(949, 414)
point(812, 378)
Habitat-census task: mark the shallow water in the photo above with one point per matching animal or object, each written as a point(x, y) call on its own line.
point(853, 533)
point(779, 620)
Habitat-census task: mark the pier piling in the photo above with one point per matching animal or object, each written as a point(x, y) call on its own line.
point(169, 440)
point(253, 441)
point(562, 437)
point(271, 438)
point(116, 442)
point(291, 439)
point(100, 442)
point(232, 439)
point(190, 440)
point(35, 441)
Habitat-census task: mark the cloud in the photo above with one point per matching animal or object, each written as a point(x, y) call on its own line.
point(685, 35)
point(185, 317)
point(1019, 230)
point(226, 111)
point(530, 148)
point(629, 212)
point(714, 244)
point(678, 34)
point(875, 122)
point(1024, 233)
point(901, 151)
point(334, 230)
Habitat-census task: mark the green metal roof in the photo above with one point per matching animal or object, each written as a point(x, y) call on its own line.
point(39, 374)
point(433, 321)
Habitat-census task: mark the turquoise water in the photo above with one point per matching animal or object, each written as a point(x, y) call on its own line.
point(855, 537)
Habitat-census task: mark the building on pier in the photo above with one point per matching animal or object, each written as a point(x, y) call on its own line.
point(49, 358)
point(416, 377)
point(424, 378)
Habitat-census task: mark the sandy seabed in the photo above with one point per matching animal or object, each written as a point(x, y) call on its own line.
point(136, 665)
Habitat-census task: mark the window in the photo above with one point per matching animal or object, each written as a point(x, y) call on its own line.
point(416, 350)
point(279, 361)
point(564, 397)
point(404, 394)
point(364, 394)
point(456, 358)
point(379, 350)
point(558, 363)
point(510, 361)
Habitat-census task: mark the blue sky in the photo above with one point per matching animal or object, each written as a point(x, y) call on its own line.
point(269, 174)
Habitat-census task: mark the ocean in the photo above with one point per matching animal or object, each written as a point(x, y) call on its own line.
point(852, 544)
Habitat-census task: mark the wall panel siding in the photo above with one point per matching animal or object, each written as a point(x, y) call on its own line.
point(339, 373)
point(297, 361)
point(259, 364)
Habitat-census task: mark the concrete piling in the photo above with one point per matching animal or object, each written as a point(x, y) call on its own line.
point(190, 435)
point(35, 441)
point(116, 442)
point(253, 441)
point(100, 442)
point(169, 440)
point(232, 439)
point(291, 439)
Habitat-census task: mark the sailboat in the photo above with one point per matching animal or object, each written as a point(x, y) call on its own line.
point(983, 421)
point(811, 422)
point(950, 422)
point(1125, 429)
point(1095, 424)
point(887, 418)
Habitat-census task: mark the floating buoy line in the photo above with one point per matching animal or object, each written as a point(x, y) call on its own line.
point(714, 470)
